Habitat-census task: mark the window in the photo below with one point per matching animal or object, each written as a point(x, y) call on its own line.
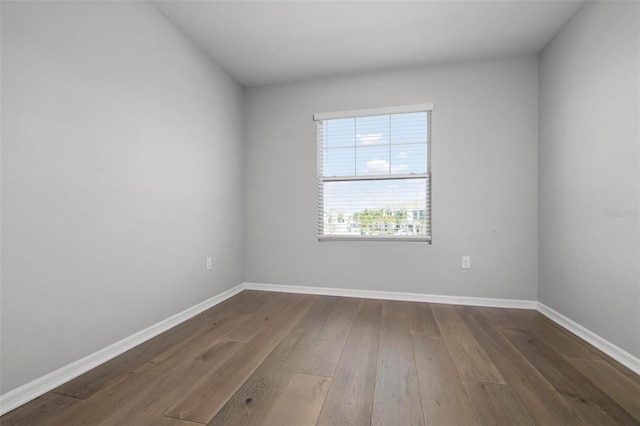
point(374, 177)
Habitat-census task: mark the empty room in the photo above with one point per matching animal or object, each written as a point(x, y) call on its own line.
point(320, 213)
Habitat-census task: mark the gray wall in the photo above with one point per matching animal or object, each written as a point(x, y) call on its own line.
point(121, 172)
point(485, 183)
point(589, 172)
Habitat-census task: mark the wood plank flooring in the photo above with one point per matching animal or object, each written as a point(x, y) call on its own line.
point(280, 359)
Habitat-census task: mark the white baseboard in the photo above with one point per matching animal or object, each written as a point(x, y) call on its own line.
point(34, 389)
point(615, 352)
point(393, 295)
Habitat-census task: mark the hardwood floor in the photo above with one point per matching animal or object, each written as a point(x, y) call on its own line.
point(287, 359)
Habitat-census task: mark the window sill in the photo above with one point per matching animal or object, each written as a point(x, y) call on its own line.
point(367, 238)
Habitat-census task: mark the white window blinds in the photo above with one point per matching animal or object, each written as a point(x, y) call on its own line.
point(374, 179)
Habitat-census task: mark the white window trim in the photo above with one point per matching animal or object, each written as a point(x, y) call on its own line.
point(368, 113)
point(386, 238)
point(402, 109)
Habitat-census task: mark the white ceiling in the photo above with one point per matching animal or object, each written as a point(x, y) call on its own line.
point(264, 42)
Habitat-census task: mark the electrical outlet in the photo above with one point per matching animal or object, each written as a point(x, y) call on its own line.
point(208, 263)
point(466, 262)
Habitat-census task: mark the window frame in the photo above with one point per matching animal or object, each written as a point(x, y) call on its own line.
point(321, 179)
